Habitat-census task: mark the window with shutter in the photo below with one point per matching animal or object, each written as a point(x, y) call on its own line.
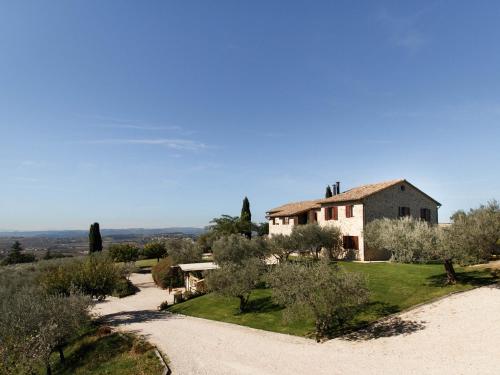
point(425, 214)
point(335, 213)
point(404, 211)
point(355, 243)
point(348, 211)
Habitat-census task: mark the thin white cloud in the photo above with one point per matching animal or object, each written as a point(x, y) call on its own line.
point(116, 123)
point(403, 30)
point(172, 143)
point(143, 127)
point(32, 163)
point(411, 40)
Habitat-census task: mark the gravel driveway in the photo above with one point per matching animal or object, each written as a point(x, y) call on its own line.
point(456, 335)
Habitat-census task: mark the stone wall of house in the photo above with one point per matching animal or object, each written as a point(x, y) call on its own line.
point(386, 203)
point(349, 226)
point(279, 227)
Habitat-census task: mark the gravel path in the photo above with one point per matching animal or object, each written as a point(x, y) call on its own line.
point(456, 335)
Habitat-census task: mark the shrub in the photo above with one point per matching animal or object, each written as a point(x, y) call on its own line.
point(165, 276)
point(124, 288)
point(96, 276)
point(163, 306)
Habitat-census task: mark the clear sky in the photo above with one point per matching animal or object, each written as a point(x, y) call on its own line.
point(167, 113)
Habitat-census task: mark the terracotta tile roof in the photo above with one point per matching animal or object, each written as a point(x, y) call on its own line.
point(354, 194)
point(294, 208)
point(360, 192)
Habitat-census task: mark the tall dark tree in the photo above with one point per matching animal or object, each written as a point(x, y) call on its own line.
point(246, 218)
point(328, 192)
point(16, 256)
point(95, 239)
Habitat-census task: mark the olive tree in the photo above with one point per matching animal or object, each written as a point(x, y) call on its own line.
point(33, 324)
point(319, 290)
point(96, 276)
point(124, 252)
point(407, 239)
point(235, 280)
point(281, 246)
point(183, 250)
point(312, 239)
point(155, 249)
point(236, 248)
point(471, 238)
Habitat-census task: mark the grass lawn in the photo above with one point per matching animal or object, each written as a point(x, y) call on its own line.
point(115, 353)
point(145, 263)
point(394, 287)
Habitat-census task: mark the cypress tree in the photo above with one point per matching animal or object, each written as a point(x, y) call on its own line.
point(246, 218)
point(95, 239)
point(328, 192)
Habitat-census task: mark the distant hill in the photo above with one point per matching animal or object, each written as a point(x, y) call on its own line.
point(104, 232)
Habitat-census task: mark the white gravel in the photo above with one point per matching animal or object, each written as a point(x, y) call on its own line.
point(456, 335)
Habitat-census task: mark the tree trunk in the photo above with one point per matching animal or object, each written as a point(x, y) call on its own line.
point(243, 302)
point(451, 276)
point(158, 260)
point(49, 369)
point(61, 354)
point(318, 330)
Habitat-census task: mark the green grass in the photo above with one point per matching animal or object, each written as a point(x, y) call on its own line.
point(394, 287)
point(145, 263)
point(115, 353)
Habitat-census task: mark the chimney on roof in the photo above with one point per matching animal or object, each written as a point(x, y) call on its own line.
point(337, 189)
point(334, 189)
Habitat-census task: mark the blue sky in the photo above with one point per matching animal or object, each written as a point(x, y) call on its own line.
point(160, 113)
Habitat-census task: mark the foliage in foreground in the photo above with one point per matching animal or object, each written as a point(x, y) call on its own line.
point(326, 292)
point(98, 352)
point(34, 323)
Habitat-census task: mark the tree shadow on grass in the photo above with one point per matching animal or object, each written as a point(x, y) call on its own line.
point(385, 328)
point(262, 305)
point(473, 278)
point(379, 308)
point(363, 317)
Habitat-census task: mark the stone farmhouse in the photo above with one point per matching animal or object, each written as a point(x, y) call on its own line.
point(352, 209)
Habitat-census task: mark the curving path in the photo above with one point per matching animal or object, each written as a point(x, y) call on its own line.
point(456, 335)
